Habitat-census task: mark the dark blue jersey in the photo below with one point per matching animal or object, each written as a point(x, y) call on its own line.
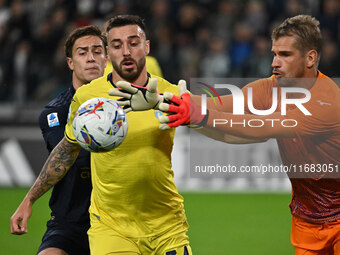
point(70, 197)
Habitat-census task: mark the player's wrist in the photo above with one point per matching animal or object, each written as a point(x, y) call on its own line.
point(28, 201)
point(199, 121)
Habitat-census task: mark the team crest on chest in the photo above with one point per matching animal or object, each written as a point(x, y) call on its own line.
point(158, 113)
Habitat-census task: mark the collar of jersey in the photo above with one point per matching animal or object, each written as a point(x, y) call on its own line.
point(73, 91)
point(109, 78)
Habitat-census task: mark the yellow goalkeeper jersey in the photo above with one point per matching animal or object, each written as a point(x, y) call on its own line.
point(133, 188)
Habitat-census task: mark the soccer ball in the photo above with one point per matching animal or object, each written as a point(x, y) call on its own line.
point(100, 124)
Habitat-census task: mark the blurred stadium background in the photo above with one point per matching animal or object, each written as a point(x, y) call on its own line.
point(203, 38)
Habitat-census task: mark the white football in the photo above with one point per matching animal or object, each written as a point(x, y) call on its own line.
point(100, 124)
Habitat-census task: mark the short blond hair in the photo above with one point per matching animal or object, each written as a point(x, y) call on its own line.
point(305, 29)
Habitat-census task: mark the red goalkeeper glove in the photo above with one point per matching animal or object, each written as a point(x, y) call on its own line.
point(182, 111)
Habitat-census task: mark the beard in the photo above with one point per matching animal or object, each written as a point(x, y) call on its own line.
point(129, 75)
point(292, 79)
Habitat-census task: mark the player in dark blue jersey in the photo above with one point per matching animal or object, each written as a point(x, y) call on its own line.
point(67, 229)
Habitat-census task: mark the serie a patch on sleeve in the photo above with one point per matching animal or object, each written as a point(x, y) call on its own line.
point(52, 119)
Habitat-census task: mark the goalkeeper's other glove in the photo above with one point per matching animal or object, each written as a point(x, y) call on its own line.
point(137, 98)
point(181, 110)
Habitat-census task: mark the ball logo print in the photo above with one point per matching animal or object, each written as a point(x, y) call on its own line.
point(98, 107)
point(100, 125)
point(91, 109)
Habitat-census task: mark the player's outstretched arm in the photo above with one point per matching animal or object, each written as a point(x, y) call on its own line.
point(136, 98)
point(183, 111)
point(56, 166)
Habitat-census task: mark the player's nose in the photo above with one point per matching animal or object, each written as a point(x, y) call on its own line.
point(126, 51)
point(275, 62)
point(90, 57)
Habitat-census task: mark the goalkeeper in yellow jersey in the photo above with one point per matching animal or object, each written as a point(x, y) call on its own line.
point(135, 206)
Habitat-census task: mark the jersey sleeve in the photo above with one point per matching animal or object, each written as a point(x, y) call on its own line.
point(73, 109)
point(52, 127)
point(324, 107)
point(325, 119)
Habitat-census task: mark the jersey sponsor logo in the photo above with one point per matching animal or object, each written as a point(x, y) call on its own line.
point(85, 174)
point(158, 114)
point(322, 103)
point(53, 120)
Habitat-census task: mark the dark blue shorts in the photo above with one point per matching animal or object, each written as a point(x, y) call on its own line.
point(67, 237)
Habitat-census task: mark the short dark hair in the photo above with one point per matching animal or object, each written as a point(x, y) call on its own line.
point(124, 20)
point(305, 29)
point(81, 32)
